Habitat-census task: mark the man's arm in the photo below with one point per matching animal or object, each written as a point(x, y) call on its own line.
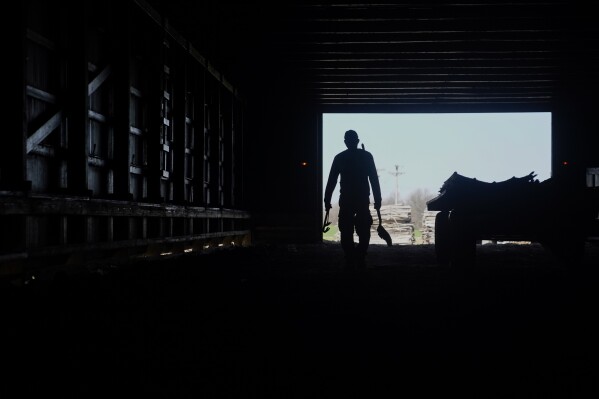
point(374, 183)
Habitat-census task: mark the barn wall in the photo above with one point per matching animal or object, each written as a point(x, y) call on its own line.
point(124, 140)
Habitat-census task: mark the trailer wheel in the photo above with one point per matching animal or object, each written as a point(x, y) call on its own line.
point(569, 251)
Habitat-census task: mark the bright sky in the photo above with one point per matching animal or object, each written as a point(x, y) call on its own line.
point(428, 148)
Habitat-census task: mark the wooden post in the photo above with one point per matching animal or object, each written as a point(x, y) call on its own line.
point(12, 150)
point(180, 87)
point(122, 83)
point(77, 100)
point(155, 66)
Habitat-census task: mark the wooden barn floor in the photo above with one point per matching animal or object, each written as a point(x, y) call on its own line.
point(287, 322)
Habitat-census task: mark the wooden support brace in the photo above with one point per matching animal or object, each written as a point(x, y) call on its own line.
point(98, 80)
point(40, 134)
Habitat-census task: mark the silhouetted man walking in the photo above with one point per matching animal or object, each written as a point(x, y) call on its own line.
point(358, 173)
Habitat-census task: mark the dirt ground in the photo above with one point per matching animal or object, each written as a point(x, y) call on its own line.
point(288, 322)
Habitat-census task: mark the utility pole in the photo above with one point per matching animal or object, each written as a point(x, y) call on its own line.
point(397, 173)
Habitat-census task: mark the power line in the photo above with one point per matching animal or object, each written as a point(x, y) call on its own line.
point(397, 173)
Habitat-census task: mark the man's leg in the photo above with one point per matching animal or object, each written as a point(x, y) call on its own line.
point(363, 225)
point(346, 230)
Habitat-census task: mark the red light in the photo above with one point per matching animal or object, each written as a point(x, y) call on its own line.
point(565, 163)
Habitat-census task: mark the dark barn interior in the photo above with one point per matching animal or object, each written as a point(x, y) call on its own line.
point(161, 203)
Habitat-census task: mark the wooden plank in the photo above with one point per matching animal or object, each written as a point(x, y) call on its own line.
point(76, 99)
point(97, 162)
point(87, 247)
point(153, 14)
point(149, 10)
point(96, 116)
point(40, 94)
point(39, 39)
point(136, 170)
point(40, 134)
point(76, 206)
point(197, 56)
point(135, 131)
point(44, 151)
point(592, 177)
point(98, 80)
point(136, 92)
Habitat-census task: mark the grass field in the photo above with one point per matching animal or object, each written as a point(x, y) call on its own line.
point(330, 235)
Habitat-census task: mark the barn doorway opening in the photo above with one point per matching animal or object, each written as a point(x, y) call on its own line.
point(415, 153)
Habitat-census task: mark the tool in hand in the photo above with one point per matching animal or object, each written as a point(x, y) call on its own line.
point(326, 223)
point(384, 234)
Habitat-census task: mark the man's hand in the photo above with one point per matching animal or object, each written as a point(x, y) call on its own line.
point(377, 205)
point(327, 206)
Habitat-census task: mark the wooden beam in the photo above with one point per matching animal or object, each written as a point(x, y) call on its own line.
point(183, 42)
point(46, 205)
point(39, 39)
point(40, 94)
point(98, 80)
point(40, 134)
point(67, 249)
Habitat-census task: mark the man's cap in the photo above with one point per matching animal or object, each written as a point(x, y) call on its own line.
point(351, 135)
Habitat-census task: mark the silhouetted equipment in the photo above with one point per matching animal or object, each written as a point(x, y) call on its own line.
point(517, 209)
point(381, 230)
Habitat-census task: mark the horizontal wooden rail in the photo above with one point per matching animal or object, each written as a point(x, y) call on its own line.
point(80, 206)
